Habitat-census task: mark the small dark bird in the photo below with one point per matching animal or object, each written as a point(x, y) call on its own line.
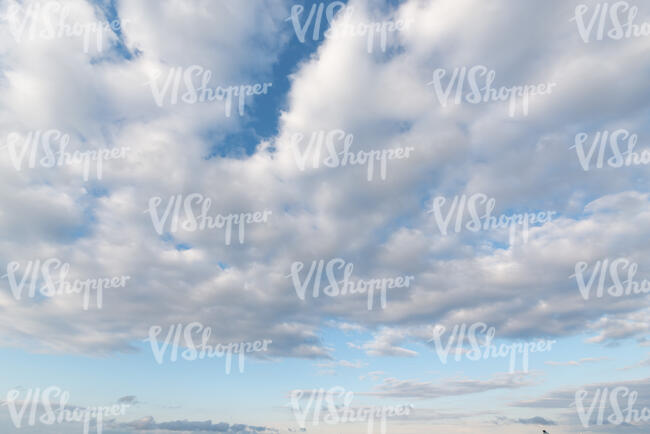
point(544, 431)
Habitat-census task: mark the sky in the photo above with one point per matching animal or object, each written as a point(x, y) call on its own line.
point(434, 209)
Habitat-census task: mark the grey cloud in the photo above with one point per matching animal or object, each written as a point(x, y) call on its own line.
point(564, 398)
point(537, 420)
point(148, 423)
point(395, 388)
point(128, 399)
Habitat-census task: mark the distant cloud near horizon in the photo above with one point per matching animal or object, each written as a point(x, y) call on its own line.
point(148, 423)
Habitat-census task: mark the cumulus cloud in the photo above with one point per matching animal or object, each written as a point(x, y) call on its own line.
point(461, 277)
